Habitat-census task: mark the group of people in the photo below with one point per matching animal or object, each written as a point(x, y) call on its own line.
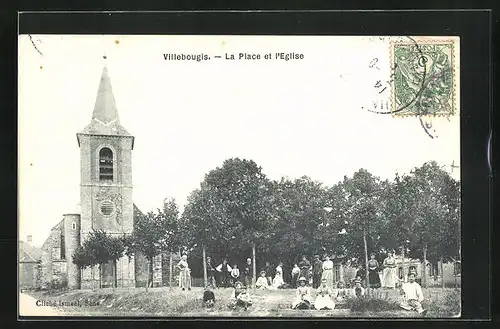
point(388, 272)
point(322, 280)
point(224, 275)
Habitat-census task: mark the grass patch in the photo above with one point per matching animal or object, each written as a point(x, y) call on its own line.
point(371, 304)
point(171, 303)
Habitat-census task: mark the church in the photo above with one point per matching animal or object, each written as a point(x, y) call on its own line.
point(105, 203)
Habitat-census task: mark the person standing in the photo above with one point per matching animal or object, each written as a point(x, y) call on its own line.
point(317, 271)
point(269, 273)
point(390, 271)
point(304, 266)
point(224, 272)
point(278, 277)
point(295, 275)
point(248, 272)
point(235, 274)
point(328, 271)
point(211, 273)
point(412, 296)
point(373, 270)
point(184, 273)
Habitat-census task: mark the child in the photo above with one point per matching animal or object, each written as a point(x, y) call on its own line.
point(303, 296)
point(412, 295)
point(323, 297)
point(262, 281)
point(342, 292)
point(359, 291)
point(235, 273)
point(208, 297)
point(295, 275)
point(240, 297)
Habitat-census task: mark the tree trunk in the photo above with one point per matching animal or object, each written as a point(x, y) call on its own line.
point(254, 268)
point(205, 279)
point(115, 281)
point(442, 272)
point(403, 265)
point(100, 275)
point(366, 264)
point(424, 273)
point(147, 276)
point(171, 270)
point(455, 273)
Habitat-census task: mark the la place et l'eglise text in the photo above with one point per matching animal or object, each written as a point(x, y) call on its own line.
point(232, 56)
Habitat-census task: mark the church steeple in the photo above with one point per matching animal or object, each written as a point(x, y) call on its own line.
point(105, 120)
point(105, 108)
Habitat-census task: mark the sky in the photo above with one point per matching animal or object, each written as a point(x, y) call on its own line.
point(307, 116)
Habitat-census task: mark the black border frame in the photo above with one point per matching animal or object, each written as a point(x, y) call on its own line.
point(474, 29)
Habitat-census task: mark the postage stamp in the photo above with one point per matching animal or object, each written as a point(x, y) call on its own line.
point(424, 78)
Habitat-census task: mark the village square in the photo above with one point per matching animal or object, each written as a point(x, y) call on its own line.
point(361, 239)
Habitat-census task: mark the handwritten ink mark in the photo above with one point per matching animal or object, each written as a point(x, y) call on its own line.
point(373, 62)
point(34, 45)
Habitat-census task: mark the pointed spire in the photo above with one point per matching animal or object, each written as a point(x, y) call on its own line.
point(105, 108)
point(105, 120)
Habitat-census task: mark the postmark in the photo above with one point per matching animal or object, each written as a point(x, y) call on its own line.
point(423, 82)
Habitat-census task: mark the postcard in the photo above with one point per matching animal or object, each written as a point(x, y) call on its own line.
point(239, 176)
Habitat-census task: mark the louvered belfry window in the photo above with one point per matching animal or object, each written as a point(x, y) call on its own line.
point(105, 164)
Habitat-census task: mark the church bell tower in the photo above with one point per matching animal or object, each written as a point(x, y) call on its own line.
point(106, 181)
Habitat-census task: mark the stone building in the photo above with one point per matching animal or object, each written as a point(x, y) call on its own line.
point(30, 265)
point(105, 202)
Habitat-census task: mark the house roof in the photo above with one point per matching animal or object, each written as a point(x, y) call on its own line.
point(29, 253)
point(105, 119)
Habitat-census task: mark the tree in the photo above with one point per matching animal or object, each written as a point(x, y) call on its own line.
point(363, 194)
point(435, 213)
point(300, 222)
point(240, 190)
point(154, 233)
point(98, 249)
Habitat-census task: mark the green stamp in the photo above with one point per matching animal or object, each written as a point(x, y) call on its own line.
point(423, 78)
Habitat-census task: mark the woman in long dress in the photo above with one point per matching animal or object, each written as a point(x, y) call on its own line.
point(184, 273)
point(373, 269)
point(324, 297)
point(328, 272)
point(390, 271)
point(278, 277)
point(302, 296)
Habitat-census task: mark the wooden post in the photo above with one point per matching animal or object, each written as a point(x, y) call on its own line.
point(424, 274)
point(442, 272)
point(366, 264)
point(205, 279)
point(254, 268)
point(171, 270)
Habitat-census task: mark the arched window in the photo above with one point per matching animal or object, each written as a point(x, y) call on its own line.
point(105, 164)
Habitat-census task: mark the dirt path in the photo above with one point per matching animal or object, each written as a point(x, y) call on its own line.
point(28, 307)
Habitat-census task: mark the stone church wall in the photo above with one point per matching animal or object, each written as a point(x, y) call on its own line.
point(52, 266)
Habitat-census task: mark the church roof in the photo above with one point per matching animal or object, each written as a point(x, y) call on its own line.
point(29, 253)
point(105, 119)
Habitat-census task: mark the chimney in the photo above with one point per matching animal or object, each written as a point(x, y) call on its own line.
point(29, 239)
